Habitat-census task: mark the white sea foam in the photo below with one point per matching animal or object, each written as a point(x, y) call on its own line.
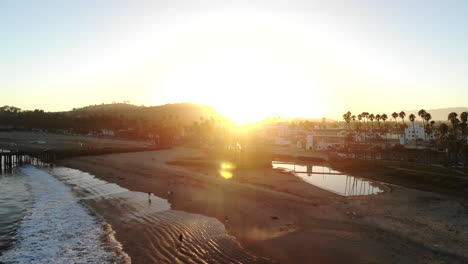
point(57, 229)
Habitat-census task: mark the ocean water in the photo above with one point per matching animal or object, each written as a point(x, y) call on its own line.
point(49, 224)
point(15, 199)
point(49, 216)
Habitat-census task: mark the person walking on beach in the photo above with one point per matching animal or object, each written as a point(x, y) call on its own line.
point(179, 244)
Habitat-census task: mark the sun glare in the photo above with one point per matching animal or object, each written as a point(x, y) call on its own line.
point(250, 88)
point(247, 71)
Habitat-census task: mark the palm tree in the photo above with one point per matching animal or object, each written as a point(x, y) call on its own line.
point(347, 118)
point(377, 118)
point(443, 140)
point(453, 118)
point(359, 117)
point(395, 115)
point(371, 118)
point(412, 118)
point(353, 117)
point(421, 113)
point(431, 128)
point(402, 115)
point(463, 125)
point(384, 118)
point(443, 129)
point(365, 115)
point(427, 117)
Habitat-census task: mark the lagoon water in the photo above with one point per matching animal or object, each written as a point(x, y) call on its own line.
point(330, 179)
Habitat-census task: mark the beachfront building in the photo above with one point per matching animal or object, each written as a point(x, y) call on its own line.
point(325, 139)
point(107, 132)
point(280, 134)
point(414, 132)
point(282, 141)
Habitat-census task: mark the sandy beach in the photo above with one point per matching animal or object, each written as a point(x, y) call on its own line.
point(277, 216)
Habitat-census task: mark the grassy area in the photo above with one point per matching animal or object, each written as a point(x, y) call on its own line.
point(418, 166)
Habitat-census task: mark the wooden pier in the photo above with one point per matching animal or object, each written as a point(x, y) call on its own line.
point(12, 159)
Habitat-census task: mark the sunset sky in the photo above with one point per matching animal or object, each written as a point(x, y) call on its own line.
point(249, 59)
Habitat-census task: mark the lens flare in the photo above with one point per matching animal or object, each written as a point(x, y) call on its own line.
point(225, 174)
point(226, 170)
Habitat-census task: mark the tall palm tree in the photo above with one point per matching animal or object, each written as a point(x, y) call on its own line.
point(366, 116)
point(421, 113)
point(384, 117)
point(347, 118)
point(377, 118)
point(353, 117)
point(359, 117)
point(395, 115)
point(402, 115)
point(443, 130)
point(463, 125)
point(453, 118)
point(427, 117)
point(371, 118)
point(432, 128)
point(412, 118)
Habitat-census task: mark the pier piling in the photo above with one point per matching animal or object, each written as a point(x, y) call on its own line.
point(9, 160)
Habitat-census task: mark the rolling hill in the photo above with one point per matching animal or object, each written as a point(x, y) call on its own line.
point(186, 113)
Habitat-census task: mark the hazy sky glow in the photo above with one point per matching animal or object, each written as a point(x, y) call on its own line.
point(249, 59)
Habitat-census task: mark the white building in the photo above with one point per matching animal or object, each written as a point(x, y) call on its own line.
point(414, 132)
point(322, 139)
point(107, 132)
point(282, 141)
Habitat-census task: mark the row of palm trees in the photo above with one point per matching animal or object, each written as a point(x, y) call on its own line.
point(348, 117)
point(459, 122)
point(365, 116)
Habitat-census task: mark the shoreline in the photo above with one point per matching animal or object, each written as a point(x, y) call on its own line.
point(281, 218)
point(149, 228)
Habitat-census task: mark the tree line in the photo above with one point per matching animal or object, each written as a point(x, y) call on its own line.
point(361, 122)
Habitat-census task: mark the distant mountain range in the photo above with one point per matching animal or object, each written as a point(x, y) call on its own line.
point(439, 114)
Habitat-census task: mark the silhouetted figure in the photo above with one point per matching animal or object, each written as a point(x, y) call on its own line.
point(149, 197)
point(181, 238)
